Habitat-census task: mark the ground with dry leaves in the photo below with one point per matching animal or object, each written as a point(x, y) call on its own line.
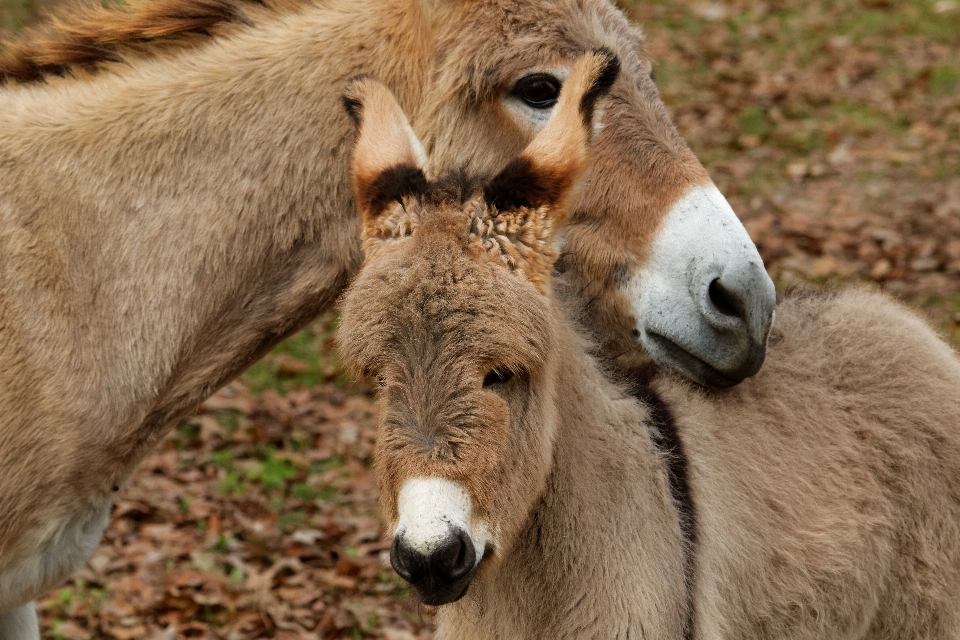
point(834, 129)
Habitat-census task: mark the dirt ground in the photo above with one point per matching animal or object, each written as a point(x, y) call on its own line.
point(833, 128)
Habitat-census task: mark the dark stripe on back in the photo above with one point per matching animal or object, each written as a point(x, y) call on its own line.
point(88, 35)
point(664, 434)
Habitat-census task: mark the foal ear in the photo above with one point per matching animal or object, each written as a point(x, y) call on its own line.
point(388, 161)
point(549, 172)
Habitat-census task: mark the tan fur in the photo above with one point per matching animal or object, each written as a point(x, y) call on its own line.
point(826, 488)
point(521, 238)
point(168, 218)
point(561, 151)
point(386, 142)
point(432, 271)
point(829, 486)
point(92, 35)
point(88, 36)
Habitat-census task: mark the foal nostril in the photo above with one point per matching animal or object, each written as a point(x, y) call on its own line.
point(409, 563)
point(440, 575)
point(726, 301)
point(454, 558)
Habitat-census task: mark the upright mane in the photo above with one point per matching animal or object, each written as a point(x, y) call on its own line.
point(88, 36)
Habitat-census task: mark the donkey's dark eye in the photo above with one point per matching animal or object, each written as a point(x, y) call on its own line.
point(539, 90)
point(496, 376)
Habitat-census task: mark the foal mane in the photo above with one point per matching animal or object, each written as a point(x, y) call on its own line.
point(86, 37)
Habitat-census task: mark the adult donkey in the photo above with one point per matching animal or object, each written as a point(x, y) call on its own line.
point(174, 201)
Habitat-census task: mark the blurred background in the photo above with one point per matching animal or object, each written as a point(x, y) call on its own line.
point(832, 127)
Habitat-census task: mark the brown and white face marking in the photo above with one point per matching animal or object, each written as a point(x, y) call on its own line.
point(451, 313)
point(656, 252)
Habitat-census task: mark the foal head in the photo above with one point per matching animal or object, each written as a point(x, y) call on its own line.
point(452, 315)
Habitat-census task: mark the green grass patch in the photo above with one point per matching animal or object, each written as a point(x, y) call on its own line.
point(187, 436)
point(303, 491)
point(321, 466)
point(945, 80)
point(306, 359)
point(291, 520)
point(753, 121)
point(233, 484)
point(860, 119)
point(273, 472)
point(14, 14)
point(945, 312)
point(230, 420)
point(74, 597)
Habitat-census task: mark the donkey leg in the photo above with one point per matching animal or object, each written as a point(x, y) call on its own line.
point(20, 624)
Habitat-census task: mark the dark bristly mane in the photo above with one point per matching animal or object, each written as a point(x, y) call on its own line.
point(663, 432)
point(89, 36)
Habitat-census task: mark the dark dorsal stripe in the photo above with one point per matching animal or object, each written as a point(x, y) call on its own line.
point(664, 434)
point(88, 35)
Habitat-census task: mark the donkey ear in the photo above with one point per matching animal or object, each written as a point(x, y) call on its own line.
point(388, 161)
point(549, 172)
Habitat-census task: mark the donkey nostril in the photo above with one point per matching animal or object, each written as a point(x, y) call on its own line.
point(409, 563)
point(455, 558)
point(726, 301)
point(441, 575)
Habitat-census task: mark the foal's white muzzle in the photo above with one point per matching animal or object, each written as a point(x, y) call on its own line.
point(437, 547)
point(703, 302)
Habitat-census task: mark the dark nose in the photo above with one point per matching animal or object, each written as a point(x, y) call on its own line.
point(440, 575)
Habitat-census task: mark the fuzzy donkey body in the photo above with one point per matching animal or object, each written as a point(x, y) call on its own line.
point(531, 494)
point(174, 201)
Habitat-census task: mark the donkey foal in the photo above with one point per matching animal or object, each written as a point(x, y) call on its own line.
point(525, 488)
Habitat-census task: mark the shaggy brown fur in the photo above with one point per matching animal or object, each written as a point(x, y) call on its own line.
point(827, 487)
point(388, 158)
point(462, 433)
point(166, 220)
point(91, 35)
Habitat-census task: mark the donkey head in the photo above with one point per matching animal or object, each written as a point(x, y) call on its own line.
point(452, 315)
point(654, 250)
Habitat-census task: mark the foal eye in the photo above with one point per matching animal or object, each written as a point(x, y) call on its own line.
point(538, 90)
point(495, 376)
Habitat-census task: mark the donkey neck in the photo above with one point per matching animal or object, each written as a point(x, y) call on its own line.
point(162, 225)
point(602, 551)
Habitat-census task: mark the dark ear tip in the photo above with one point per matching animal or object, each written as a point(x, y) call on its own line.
point(610, 71)
point(601, 84)
point(354, 108)
point(351, 99)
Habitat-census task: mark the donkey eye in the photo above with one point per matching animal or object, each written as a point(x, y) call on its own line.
point(538, 90)
point(496, 376)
